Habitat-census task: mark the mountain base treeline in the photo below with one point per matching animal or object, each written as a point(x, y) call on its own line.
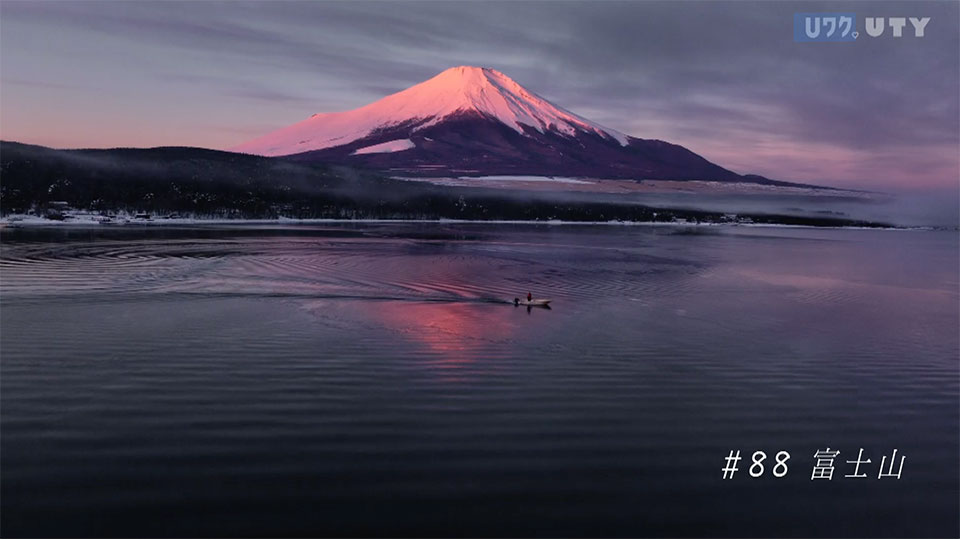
point(212, 184)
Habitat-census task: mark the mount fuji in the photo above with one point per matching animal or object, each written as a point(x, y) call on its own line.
point(472, 121)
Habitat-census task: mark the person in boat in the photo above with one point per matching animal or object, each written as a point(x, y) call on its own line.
point(516, 301)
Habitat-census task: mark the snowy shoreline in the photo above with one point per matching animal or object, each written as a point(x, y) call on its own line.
point(28, 221)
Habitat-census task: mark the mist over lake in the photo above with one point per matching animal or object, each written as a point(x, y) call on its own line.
point(376, 379)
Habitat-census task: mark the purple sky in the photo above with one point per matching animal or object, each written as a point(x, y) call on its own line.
point(724, 79)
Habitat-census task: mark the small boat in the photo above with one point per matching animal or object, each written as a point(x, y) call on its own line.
point(534, 302)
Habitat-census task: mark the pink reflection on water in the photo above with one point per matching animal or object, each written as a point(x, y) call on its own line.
point(459, 339)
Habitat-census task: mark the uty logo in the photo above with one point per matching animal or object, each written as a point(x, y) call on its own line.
point(809, 27)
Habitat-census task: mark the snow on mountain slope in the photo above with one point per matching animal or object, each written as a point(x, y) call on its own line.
point(397, 145)
point(462, 89)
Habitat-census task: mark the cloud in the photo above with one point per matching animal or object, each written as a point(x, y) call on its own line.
point(714, 76)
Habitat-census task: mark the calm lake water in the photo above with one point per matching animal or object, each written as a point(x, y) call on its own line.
point(370, 379)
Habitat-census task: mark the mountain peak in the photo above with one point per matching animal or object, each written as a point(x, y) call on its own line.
point(453, 91)
point(472, 74)
point(467, 69)
point(475, 84)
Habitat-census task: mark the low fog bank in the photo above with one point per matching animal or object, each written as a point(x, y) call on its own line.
point(936, 208)
point(939, 209)
point(172, 182)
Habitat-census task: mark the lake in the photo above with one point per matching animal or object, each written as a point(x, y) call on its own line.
point(375, 379)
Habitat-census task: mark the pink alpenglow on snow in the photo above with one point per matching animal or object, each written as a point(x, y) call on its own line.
point(455, 91)
point(470, 121)
point(397, 145)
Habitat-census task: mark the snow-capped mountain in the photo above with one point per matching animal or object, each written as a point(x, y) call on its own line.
point(477, 121)
point(455, 91)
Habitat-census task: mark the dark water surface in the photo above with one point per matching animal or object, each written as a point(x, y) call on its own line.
point(369, 379)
